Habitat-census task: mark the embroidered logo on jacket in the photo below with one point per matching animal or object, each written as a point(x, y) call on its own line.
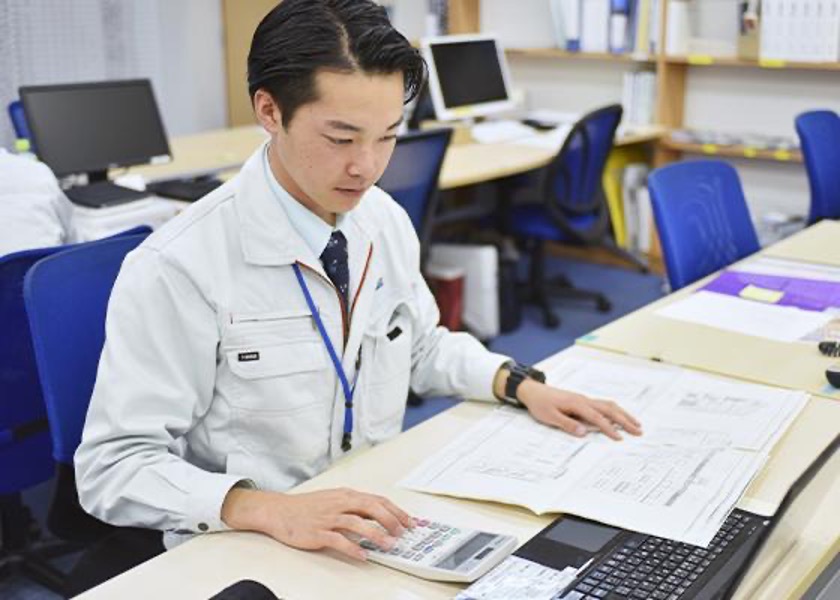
point(248, 356)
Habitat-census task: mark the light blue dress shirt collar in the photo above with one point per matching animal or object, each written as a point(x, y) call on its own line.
point(314, 231)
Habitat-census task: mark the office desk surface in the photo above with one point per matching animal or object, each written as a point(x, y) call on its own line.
point(465, 164)
point(797, 365)
point(207, 564)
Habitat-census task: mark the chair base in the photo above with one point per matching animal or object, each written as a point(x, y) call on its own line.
point(543, 291)
point(22, 553)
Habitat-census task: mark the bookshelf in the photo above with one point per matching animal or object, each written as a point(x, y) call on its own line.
point(672, 77)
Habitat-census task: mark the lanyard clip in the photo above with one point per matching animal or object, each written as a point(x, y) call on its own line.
point(345, 442)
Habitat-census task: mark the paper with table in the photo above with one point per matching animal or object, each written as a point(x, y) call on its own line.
point(705, 439)
point(766, 297)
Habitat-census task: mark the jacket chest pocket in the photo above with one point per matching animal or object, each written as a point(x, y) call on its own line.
point(387, 370)
point(278, 388)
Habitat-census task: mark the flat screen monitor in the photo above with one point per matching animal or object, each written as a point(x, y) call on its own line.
point(92, 127)
point(468, 76)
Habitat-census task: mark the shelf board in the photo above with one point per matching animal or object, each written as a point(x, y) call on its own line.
point(705, 61)
point(792, 156)
point(565, 54)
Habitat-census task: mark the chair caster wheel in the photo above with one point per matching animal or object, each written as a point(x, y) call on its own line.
point(603, 305)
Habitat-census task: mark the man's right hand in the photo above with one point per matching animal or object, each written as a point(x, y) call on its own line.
point(317, 520)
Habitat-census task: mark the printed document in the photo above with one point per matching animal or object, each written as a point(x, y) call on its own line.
point(705, 439)
point(781, 323)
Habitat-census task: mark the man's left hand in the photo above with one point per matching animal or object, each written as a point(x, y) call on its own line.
point(573, 413)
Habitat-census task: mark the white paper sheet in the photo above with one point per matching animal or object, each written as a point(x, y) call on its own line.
point(781, 323)
point(705, 439)
point(519, 579)
point(767, 265)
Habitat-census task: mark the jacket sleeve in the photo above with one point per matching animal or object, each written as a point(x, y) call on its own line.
point(445, 362)
point(155, 381)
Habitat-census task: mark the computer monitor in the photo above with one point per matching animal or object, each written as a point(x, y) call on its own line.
point(468, 76)
point(92, 127)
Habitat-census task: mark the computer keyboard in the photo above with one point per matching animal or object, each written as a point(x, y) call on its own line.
point(493, 132)
point(184, 189)
point(650, 567)
point(102, 193)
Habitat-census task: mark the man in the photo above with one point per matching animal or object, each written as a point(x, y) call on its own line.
point(34, 212)
point(276, 325)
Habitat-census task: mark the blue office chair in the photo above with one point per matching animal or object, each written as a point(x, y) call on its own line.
point(819, 136)
point(411, 177)
point(25, 445)
point(702, 218)
point(568, 206)
point(18, 118)
point(66, 299)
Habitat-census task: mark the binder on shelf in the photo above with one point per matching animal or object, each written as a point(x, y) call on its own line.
point(558, 23)
point(572, 22)
point(642, 35)
point(619, 19)
point(594, 32)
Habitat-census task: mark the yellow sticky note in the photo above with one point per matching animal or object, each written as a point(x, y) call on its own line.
point(772, 63)
point(709, 149)
point(782, 155)
point(700, 59)
point(750, 152)
point(760, 294)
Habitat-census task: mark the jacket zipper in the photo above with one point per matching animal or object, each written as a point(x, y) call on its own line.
point(345, 317)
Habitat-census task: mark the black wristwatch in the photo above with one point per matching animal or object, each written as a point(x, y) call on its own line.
point(518, 374)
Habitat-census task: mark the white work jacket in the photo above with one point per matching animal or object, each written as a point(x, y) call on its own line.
point(214, 373)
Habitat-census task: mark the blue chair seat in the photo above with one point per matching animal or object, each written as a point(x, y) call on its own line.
point(533, 221)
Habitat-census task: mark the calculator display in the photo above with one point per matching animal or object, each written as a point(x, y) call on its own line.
point(465, 552)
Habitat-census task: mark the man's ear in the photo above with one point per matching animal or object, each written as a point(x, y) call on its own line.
point(267, 112)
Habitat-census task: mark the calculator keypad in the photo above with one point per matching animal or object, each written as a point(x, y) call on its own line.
point(427, 542)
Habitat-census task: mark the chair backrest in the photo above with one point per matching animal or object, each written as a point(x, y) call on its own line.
point(702, 218)
point(819, 136)
point(66, 299)
point(25, 445)
point(25, 448)
point(411, 177)
point(18, 118)
point(571, 185)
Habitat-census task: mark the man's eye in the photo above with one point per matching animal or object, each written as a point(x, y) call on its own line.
point(339, 141)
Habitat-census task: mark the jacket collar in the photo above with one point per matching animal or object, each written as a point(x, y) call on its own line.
point(268, 237)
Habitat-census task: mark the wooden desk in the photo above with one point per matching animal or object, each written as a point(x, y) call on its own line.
point(465, 164)
point(207, 564)
point(793, 557)
point(792, 365)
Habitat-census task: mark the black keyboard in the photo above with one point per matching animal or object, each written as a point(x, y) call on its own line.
point(184, 189)
point(650, 567)
point(103, 193)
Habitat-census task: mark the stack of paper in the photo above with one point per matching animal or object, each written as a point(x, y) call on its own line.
point(705, 439)
point(765, 297)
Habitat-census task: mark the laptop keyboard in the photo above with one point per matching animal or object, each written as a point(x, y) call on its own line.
point(656, 568)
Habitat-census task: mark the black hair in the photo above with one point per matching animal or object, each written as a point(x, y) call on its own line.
point(299, 37)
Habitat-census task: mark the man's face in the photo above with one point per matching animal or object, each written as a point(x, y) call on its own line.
point(338, 146)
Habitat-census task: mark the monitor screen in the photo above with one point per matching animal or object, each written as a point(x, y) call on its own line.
point(91, 127)
point(468, 76)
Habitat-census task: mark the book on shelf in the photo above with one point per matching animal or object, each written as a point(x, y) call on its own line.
point(601, 26)
point(800, 30)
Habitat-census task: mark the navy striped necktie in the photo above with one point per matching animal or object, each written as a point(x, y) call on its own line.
point(334, 259)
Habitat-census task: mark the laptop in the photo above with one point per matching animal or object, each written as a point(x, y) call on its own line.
point(620, 564)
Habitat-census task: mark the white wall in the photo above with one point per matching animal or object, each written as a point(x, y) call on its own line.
point(176, 43)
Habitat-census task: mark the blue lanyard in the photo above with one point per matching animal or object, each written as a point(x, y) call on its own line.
point(339, 369)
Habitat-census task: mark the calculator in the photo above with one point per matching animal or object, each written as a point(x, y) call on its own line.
point(442, 552)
